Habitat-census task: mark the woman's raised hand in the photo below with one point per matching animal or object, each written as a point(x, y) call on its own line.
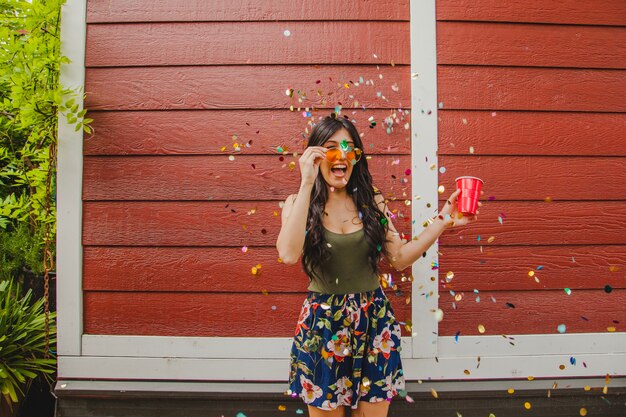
point(310, 162)
point(457, 219)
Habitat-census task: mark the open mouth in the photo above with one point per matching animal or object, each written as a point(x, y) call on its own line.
point(339, 170)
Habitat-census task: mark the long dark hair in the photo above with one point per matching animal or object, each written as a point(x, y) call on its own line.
point(359, 187)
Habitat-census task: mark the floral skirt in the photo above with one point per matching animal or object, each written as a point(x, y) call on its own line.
point(346, 349)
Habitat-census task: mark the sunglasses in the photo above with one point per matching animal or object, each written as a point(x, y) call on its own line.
point(352, 154)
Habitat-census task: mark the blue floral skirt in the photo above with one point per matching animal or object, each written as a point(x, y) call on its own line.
point(346, 349)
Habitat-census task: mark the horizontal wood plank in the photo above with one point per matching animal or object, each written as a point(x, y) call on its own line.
point(255, 131)
point(534, 312)
point(267, 177)
point(197, 314)
point(243, 87)
point(515, 88)
point(513, 44)
point(229, 43)
point(543, 223)
point(537, 177)
point(200, 270)
point(598, 12)
point(498, 268)
point(217, 177)
point(531, 133)
point(229, 224)
point(244, 10)
point(275, 315)
point(192, 223)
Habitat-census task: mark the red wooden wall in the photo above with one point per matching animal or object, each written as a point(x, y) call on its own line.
point(169, 203)
point(537, 89)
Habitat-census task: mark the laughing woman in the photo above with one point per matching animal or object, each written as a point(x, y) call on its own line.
point(346, 347)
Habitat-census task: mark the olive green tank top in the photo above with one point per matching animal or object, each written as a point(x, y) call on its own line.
point(347, 270)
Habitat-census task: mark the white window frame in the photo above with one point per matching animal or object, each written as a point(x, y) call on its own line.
point(426, 356)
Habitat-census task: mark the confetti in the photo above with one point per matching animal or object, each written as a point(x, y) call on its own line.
point(244, 249)
point(299, 411)
point(561, 328)
point(434, 393)
point(282, 407)
point(287, 33)
point(240, 414)
point(439, 314)
point(583, 411)
point(481, 328)
point(608, 289)
point(491, 239)
point(510, 390)
point(449, 276)
point(441, 189)
point(527, 405)
point(567, 291)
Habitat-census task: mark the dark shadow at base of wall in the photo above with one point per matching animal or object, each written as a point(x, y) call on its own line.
point(562, 403)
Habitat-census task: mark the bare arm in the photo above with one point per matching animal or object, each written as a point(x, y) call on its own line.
point(290, 240)
point(291, 237)
point(404, 254)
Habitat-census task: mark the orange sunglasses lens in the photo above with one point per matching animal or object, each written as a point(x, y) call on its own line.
point(354, 155)
point(334, 155)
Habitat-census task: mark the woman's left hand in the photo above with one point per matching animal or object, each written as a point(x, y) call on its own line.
point(456, 218)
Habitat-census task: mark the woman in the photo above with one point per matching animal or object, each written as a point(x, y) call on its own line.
point(346, 349)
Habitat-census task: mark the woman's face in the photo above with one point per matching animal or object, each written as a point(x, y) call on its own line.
point(337, 173)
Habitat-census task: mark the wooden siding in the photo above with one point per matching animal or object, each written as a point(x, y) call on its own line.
point(168, 200)
point(536, 90)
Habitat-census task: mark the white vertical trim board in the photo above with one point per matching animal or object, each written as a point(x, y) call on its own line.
point(69, 187)
point(425, 369)
point(424, 178)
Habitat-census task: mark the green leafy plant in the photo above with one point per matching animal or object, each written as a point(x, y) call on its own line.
point(22, 342)
point(31, 100)
point(20, 252)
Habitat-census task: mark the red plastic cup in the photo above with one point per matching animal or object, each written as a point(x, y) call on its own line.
point(470, 187)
